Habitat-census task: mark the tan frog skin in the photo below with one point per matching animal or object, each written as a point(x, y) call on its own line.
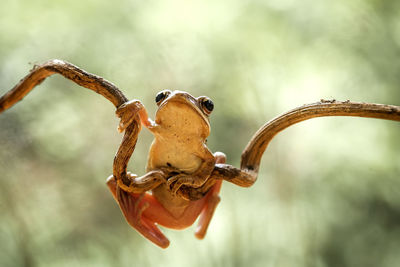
point(180, 129)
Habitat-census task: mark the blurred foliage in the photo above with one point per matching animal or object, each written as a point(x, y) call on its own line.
point(328, 193)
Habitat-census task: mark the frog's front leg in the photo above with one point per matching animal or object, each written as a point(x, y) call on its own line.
point(133, 115)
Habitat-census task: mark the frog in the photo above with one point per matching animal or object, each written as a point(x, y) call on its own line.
point(179, 150)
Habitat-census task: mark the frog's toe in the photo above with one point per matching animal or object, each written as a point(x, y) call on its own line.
point(171, 180)
point(174, 181)
point(176, 187)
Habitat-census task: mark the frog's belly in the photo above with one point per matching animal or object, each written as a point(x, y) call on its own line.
point(174, 153)
point(184, 162)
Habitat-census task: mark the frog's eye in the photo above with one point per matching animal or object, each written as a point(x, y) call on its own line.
point(162, 95)
point(207, 105)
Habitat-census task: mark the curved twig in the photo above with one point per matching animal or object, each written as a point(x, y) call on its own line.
point(69, 71)
point(254, 150)
point(89, 81)
point(125, 152)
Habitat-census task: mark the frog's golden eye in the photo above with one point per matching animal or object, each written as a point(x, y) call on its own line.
point(162, 95)
point(207, 105)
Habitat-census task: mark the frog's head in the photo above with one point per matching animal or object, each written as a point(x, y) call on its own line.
point(181, 114)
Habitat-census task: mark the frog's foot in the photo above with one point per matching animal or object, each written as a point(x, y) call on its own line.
point(127, 112)
point(194, 180)
point(220, 157)
point(133, 207)
point(175, 182)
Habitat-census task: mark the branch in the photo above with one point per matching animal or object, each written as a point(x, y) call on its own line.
point(93, 82)
point(254, 150)
point(69, 71)
point(125, 152)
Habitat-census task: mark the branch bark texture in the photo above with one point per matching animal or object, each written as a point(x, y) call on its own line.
point(254, 150)
point(69, 71)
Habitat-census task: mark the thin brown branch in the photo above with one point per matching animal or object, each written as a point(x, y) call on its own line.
point(89, 81)
point(125, 151)
point(69, 71)
point(254, 150)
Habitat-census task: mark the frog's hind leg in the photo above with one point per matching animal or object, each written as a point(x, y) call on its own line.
point(211, 202)
point(133, 206)
point(208, 211)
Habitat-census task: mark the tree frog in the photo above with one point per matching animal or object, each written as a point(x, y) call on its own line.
point(178, 159)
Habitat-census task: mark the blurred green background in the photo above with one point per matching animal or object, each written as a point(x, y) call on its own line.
point(329, 190)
